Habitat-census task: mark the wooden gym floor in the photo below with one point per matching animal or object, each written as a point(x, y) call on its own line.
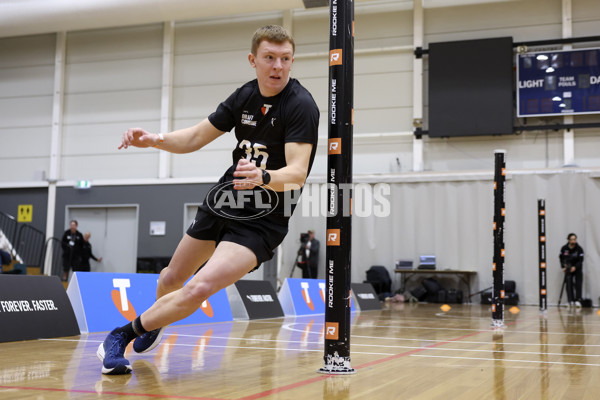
point(402, 352)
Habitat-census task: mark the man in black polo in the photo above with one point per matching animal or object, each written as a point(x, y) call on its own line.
point(245, 216)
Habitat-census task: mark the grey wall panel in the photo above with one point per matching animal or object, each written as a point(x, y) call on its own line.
point(586, 148)
point(203, 163)
point(26, 81)
point(124, 43)
point(472, 20)
point(311, 33)
point(206, 37)
point(198, 102)
point(364, 163)
point(112, 82)
point(523, 151)
point(156, 203)
point(32, 111)
point(108, 107)
point(114, 75)
point(23, 169)
point(383, 90)
point(34, 50)
point(27, 142)
point(25, 153)
point(131, 164)
point(10, 199)
point(381, 119)
point(207, 69)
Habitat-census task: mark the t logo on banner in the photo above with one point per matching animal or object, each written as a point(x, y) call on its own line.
point(120, 299)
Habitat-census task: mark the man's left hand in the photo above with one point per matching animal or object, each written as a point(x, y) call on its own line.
point(250, 175)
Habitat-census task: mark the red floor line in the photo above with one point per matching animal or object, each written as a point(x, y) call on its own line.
point(284, 388)
point(407, 353)
point(369, 364)
point(165, 396)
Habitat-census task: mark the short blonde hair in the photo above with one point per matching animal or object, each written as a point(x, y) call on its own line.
point(271, 33)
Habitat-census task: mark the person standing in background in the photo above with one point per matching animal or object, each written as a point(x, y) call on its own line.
point(72, 242)
point(571, 262)
point(86, 254)
point(312, 256)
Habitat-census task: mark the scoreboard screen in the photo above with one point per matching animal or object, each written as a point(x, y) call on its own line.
point(558, 83)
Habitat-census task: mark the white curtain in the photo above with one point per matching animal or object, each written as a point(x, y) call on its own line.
point(452, 218)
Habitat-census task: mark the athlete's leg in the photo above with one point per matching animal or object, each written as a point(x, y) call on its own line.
point(189, 256)
point(229, 263)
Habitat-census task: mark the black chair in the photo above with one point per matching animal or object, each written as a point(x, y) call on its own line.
point(379, 277)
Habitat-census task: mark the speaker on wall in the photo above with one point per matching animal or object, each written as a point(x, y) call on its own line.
point(471, 87)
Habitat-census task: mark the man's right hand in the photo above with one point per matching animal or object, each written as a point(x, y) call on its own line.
point(138, 137)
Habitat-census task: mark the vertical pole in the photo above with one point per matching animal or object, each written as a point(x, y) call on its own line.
point(499, 217)
point(339, 180)
point(542, 252)
point(568, 134)
point(166, 96)
point(418, 40)
point(58, 97)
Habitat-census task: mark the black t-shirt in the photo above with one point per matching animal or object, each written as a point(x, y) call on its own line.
point(72, 244)
point(263, 125)
point(86, 254)
point(571, 257)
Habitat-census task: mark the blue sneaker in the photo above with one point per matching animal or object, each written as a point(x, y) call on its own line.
point(111, 352)
point(148, 341)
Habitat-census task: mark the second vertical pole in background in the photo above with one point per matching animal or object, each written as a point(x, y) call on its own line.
point(499, 217)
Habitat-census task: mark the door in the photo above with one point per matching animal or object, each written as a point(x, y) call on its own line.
point(114, 232)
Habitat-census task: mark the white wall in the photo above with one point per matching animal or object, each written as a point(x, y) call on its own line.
point(113, 81)
point(26, 79)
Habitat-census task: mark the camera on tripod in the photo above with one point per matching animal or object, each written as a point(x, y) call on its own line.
point(303, 238)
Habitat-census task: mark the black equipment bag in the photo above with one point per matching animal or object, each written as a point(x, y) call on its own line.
point(486, 297)
point(442, 296)
point(419, 292)
point(454, 296)
point(510, 286)
point(379, 277)
point(432, 286)
point(587, 303)
point(511, 299)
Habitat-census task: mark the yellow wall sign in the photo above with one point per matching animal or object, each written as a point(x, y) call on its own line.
point(25, 213)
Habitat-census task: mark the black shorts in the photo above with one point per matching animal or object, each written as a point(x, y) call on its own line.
point(259, 235)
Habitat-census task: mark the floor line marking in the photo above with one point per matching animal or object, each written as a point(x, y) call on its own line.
point(506, 360)
point(165, 396)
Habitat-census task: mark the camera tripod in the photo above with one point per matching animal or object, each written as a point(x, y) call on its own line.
point(301, 262)
point(562, 289)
